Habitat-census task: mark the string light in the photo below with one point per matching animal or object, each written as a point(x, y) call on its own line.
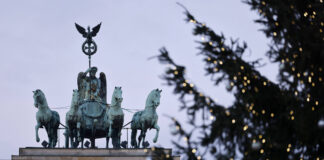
point(245, 127)
point(233, 121)
point(263, 140)
point(263, 111)
point(305, 14)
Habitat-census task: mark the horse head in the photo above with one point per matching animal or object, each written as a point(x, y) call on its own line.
point(117, 97)
point(39, 98)
point(153, 98)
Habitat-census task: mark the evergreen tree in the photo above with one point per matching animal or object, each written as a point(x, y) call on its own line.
point(267, 120)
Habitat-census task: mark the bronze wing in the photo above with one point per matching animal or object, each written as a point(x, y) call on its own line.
point(81, 86)
point(103, 88)
point(81, 30)
point(95, 30)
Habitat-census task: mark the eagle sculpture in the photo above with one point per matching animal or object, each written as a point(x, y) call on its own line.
point(88, 34)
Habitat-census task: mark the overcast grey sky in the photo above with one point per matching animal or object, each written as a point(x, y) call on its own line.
point(41, 49)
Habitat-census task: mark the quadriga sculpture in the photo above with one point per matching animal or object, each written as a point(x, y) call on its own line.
point(46, 118)
point(146, 119)
point(115, 118)
point(73, 122)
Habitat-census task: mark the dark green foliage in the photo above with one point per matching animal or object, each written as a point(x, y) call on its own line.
point(281, 117)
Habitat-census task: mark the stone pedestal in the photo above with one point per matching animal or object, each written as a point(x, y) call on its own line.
point(31, 153)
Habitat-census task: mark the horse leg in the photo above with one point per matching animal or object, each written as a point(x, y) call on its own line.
point(49, 135)
point(54, 141)
point(71, 138)
point(36, 130)
point(82, 139)
point(110, 128)
point(92, 140)
point(133, 138)
point(107, 142)
point(66, 134)
point(119, 135)
point(157, 133)
point(78, 131)
point(140, 138)
point(144, 134)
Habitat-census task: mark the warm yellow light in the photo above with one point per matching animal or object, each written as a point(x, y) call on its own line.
point(193, 150)
point(291, 112)
point(263, 140)
point(264, 83)
point(243, 90)
point(263, 111)
point(176, 72)
point(305, 14)
point(292, 117)
point(245, 128)
point(261, 151)
point(272, 114)
point(184, 84)
point(233, 121)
